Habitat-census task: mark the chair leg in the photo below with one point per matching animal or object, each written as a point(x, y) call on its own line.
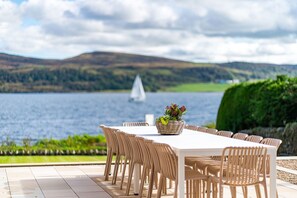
point(221, 190)
point(116, 168)
point(160, 186)
point(203, 186)
point(266, 193)
point(257, 189)
point(233, 191)
point(204, 172)
point(123, 174)
point(108, 164)
point(215, 190)
point(175, 189)
point(245, 191)
point(165, 186)
point(207, 188)
point(143, 177)
point(131, 168)
point(188, 189)
point(156, 180)
point(151, 183)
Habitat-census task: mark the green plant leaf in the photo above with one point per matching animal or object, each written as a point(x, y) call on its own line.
point(164, 120)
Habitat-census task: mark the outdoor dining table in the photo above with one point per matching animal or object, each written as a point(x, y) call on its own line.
point(195, 143)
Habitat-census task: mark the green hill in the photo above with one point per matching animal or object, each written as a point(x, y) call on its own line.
point(100, 71)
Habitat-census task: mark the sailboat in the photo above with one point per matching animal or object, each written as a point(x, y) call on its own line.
point(137, 93)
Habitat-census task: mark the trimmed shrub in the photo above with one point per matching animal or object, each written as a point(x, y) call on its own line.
point(73, 145)
point(290, 135)
point(269, 103)
point(287, 134)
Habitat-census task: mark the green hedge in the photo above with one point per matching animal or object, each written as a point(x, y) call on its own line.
point(269, 103)
point(73, 145)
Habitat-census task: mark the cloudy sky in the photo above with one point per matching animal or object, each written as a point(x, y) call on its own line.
point(193, 30)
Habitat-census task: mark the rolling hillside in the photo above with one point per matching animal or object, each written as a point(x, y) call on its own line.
point(100, 71)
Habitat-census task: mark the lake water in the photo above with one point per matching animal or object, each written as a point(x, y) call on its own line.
point(57, 116)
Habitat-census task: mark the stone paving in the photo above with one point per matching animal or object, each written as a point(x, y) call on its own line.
point(83, 181)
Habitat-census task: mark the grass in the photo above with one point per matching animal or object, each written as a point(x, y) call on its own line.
point(49, 159)
point(199, 87)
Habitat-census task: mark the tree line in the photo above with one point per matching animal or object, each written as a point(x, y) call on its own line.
point(100, 79)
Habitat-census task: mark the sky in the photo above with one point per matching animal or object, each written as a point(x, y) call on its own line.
point(191, 30)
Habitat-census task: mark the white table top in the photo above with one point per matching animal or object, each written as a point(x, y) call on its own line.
point(189, 139)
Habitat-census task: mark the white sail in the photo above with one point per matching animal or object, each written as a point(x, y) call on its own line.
point(137, 93)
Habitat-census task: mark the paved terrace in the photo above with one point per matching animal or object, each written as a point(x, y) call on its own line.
point(84, 181)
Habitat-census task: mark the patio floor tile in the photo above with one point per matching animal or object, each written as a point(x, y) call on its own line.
point(83, 182)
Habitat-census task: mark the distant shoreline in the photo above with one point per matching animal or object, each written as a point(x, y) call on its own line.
point(182, 88)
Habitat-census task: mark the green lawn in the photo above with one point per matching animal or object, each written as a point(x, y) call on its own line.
point(48, 159)
point(199, 87)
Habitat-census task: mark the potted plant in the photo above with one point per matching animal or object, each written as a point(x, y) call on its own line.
point(171, 122)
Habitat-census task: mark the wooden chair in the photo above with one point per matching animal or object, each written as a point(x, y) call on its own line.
point(254, 138)
point(168, 162)
point(156, 167)
point(271, 142)
point(137, 158)
point(147, 165)
point(112, 149)
point(225, 133)
point(109, 152)
point(121, 153)
point(135, 124)
point(242, 168)
point(240, 136)
point(116, 151)
point(128, 154)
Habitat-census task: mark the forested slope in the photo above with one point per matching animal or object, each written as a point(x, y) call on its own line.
point(100, 71)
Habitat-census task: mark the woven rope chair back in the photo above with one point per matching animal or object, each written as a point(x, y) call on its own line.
point(225, 133)
point(191, 127)
point(243, 165)
point(254, 138)
point(135, 124)
point(202, 129)
point(137, 154)
point(240, 136)
point(127, 145)
point(168, 160)
point(113, 139)
point(107, 136)
point(120, 142)
point(154, 155)
point(145, 152)
point(271, 142)
point(212, 131)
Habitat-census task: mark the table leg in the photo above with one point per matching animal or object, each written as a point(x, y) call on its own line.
point(181, 175)
point(136, 179)
point(273, 174)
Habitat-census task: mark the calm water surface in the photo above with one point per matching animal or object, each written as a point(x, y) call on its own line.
point(57, 116)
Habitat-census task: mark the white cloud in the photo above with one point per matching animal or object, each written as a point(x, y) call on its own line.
point(204, 30)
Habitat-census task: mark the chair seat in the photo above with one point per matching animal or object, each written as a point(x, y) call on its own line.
point(202, 162)
point(192, 175)
point(234, 182)
point(191, 161)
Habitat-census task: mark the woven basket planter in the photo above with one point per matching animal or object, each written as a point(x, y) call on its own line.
point(172, 128)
